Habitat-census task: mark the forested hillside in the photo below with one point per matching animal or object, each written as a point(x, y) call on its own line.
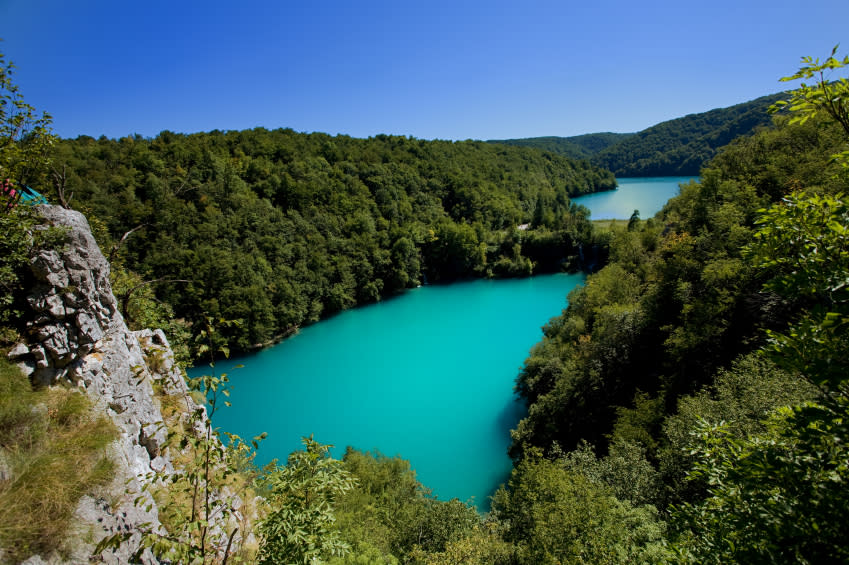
point(678, 147)
point(680, 298)
point(681, 146)
point(703, 372)
point(577, 147)
point(275, 229)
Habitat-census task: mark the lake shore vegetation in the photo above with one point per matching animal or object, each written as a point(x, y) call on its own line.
point(702, 372)
point(278, 229)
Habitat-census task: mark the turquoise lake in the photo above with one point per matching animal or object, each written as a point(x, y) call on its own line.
point(427, 375)
point(648, 195)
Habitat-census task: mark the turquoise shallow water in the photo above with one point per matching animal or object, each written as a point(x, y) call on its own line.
point(427, 375)
point(648, 195)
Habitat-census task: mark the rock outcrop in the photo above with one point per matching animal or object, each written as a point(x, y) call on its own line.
point(77, 336)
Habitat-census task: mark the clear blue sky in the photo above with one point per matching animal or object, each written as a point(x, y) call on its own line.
point(448, 69)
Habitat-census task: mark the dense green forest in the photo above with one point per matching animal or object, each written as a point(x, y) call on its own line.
point(276, 228)
point(677, 147)
point(576, 147)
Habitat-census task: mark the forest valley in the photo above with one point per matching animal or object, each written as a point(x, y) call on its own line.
point(691, 405)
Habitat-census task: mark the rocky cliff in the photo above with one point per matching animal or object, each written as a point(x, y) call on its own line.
point(77, 337)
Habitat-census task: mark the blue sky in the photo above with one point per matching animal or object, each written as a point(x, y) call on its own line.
point(426, 68)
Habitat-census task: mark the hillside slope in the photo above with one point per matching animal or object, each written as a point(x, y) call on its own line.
point(681, 146)
point(676, 147)
point(576, 147)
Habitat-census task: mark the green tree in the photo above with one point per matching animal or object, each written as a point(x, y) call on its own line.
point(480, 547)
point(303, 494)
point(25, 142)
point(804, 244)
point(741, 399)
point(25, 137)
point(391, 516)
point(560, 516)
point(624, 469)
point(16, 244)
point(779, 496)
point(634, 220)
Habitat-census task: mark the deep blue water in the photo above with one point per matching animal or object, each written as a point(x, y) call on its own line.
point(648, 195)
point(427, 375)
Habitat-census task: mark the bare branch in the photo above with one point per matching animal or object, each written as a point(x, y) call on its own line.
point(229, 543)
point(60, 181)
point(182, 188)
point(118, 245)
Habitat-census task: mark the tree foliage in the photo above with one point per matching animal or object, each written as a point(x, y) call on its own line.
point(576, 147)
point(25, 136)
point(804, 242)
point(556, 515)
point(25, 143)
point(826, 96)
point(779, 496)
point(299, 527)
point(278, 229)
point(393, 514)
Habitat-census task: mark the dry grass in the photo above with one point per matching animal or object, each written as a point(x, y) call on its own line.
point(54, 449)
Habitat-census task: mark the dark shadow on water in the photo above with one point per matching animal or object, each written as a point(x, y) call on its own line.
point(508, 418)
point(510, 415)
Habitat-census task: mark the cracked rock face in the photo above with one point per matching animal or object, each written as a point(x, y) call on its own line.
point(79, 337)
point(72, 299)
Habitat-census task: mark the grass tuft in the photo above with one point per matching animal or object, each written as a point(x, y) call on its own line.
point(53, 449)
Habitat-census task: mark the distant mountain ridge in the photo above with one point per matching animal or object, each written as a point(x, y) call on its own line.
point(576, 147)
point(676, 147)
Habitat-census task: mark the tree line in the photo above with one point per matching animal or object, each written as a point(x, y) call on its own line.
point(577, 147)
point(277, 229)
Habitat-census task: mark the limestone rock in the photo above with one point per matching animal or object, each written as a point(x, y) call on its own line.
point(18, 351)
point(78, 336)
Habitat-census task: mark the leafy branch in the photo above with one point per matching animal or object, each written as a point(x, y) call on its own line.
point(824, 96)
point(201, 514)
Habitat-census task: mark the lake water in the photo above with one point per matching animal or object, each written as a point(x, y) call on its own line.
point(648, 195)
point(427, 375)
